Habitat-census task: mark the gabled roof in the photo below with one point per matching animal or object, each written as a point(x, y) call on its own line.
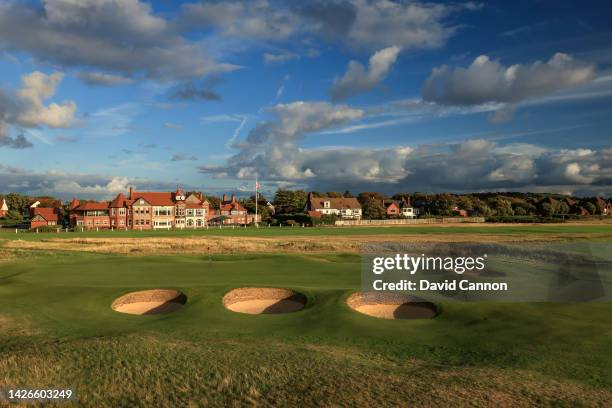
point(231, 205)
point(119, 201)
point(155, 198)
point(4, 206)
point(337, 203)
point(49, 214)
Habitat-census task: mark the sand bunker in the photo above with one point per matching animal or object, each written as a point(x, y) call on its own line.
point(146, 302)
point(391, 305)
point(263, 300)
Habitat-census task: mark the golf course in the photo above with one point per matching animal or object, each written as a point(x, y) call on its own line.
point(58, 329)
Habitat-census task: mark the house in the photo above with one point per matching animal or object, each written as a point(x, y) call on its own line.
point(44, 216)
point(143, 210)
point(232, 212)
point(399, 208)
point(3, 209)
point(42, 212)
point(343, 207)
point(197, 211)
point(89, 214)
point(459, 212)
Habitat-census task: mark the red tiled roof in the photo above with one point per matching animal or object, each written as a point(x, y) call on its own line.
point(119, 201)
point(92, 205)
point(49, 214)
point(231, 205)
point(155, 198)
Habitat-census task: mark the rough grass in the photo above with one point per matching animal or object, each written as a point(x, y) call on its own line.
point(161, 371)
point(248, 244)
point(592, 229)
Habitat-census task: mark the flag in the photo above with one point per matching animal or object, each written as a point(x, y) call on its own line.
point(257, 186)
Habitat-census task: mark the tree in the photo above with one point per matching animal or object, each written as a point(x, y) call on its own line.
point(262, 208)
point(289, 201)
point(347, 194)
point(372, 209)
point(17, 202)
point(214, 202)
point(590, 207)
point(334, 194)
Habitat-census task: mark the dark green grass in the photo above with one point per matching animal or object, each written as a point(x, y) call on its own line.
point(63, 332)
point(298, 231)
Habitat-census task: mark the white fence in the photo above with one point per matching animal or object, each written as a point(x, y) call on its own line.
point(408, 221)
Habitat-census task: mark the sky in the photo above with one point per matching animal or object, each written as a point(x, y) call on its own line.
point(327, 95)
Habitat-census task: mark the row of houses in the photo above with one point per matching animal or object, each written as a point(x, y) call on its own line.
point(158, 210)
point(349, 208)
point(165, 210)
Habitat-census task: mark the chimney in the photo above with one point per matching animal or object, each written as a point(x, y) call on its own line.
point(233, 198)
point(131, 192)
point(224, 197)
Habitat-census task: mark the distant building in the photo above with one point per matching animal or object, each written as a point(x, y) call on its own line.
point(3, 209)
point(232, 212)
point(89, 214)
point(399, 208)
point(43, 216)
point(458, 211)
point(155, 210)
point(42, 212)
point(346, 208)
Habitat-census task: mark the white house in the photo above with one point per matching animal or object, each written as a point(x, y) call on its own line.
point(346, 208)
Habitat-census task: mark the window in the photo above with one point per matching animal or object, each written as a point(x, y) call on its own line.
point(199, 213)
point(326, 204)
point(122, 211)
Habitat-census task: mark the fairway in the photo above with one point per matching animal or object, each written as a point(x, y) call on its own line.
point(57, 328)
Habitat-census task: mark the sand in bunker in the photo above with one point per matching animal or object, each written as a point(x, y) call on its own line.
point(148, 302)
point(391, 306)
point(264, 300)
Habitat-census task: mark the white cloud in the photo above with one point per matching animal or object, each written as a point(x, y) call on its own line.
point(36, 88)
point(25, 108)
point(487, 80)
point(358, 79)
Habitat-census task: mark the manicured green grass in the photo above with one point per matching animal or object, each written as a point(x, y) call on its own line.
point(516, 229)
point(61, 331)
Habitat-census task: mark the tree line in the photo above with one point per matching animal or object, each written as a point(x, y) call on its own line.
point(288, 205)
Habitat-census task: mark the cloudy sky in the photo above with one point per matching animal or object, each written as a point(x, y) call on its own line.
point(96, 95)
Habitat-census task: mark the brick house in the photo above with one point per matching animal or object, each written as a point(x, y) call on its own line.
point(399, 208)
point(343, 207)
point(42, 212)
point(232, 212)
point(197, 211)
point(44, 216)
point(153, 210)
point(89, 214)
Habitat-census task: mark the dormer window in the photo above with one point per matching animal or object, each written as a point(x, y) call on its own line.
point(326, 204)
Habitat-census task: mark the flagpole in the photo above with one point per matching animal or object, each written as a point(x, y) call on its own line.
point(256, 200)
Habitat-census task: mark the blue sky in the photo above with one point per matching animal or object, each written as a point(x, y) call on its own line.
point(329, 95)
